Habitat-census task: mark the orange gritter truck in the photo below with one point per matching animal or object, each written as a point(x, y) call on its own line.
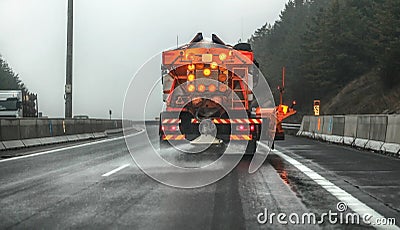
point(207, 90)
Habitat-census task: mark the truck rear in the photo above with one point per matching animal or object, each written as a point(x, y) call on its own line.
point(208, 94)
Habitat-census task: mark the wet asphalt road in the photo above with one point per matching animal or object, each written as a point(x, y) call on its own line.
point(69, 189)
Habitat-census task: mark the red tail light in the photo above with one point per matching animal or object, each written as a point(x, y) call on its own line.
point(172, 128)
point(244, 128)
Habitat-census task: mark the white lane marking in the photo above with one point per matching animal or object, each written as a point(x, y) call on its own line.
point(352, 202)
point(70, 147)
point(115, 170)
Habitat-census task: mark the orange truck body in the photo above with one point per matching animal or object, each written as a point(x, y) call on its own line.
point(213, 81)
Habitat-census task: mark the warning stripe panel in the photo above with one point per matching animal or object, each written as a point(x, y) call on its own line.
point(241, 137)
point(171, 121)
point(173, 137)
point(232, 121)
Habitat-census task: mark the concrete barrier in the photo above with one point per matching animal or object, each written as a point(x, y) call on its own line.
point(69, 126)
point(325, 127)
point(99, 135)
point(60, 139)
point(15, 144)
point(84, 137)
point(43, 128)
point(392, 140)
point(306, 124)
point(72, 137)
point(375, 132)
point(313, 125)
point(57, 127)
point(88, 127)
point(301, 127)
point(47, 140)
point(9, 129)
point(32, 142)
point(113, 131)
point(350, 129)
point(26, 132)
point(307, 127)
point(333, 129)
point(338, 125)
point(363, 130)
point(363, 127)
point(393, 130)
point(26, 128)
point(319, 131)
point(378, 128)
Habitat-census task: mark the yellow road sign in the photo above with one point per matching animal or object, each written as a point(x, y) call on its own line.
point(317, 104)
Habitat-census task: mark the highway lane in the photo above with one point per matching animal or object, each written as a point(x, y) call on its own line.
point(99, 186)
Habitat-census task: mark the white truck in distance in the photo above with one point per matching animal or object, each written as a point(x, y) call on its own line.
point(11, 103)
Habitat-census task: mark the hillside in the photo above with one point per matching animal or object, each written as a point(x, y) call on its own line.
point(365, 95)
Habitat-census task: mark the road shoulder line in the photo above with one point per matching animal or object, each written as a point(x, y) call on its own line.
point(352, 202)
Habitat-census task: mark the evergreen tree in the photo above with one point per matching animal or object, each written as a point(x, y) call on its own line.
point(8, 79)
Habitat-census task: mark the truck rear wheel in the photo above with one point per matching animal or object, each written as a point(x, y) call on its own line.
point(251, 147)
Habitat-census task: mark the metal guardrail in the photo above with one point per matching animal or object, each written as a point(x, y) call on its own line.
point(291, 126)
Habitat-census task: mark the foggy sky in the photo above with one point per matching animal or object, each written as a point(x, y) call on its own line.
point(112, 39)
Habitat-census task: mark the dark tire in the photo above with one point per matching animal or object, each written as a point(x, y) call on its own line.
point(251, 147)
point(190, 130)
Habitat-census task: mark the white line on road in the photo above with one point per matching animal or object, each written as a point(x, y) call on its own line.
point(115, 170)
point(352, 202)
point(70, 147)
